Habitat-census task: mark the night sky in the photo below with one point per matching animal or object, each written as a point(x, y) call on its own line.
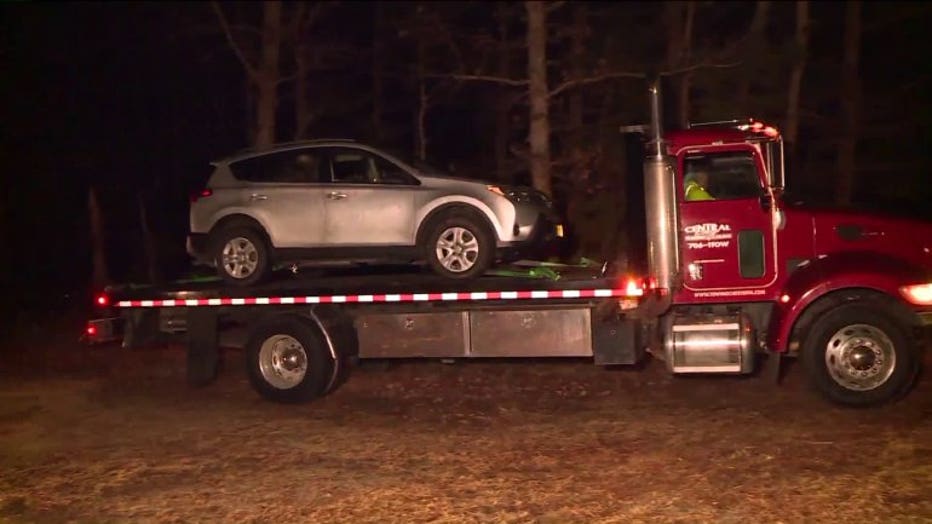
point(135, 99)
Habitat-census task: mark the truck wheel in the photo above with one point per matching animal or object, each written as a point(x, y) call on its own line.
point(288, 360)
point(241, 256)
point(860, 355)
point(460, 247)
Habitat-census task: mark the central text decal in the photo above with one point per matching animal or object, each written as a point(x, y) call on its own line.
point(708, 235)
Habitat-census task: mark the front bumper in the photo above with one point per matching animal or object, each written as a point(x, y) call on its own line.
point(545, 236)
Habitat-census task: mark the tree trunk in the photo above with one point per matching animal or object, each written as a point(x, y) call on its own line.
point(378, 74)
point(791, 128)
point(150, 251)
point(850, 94)
point(684, 105)
point(539, 136)
point(505, 99)
point(578, 53)
point(580, 184)
point(267, 76)
point(100, 276)
point(752, 52)
point(423, 101)
point(302, 108)
point(679, 17)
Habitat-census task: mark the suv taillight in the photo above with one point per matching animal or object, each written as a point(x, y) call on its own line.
point(204, 193)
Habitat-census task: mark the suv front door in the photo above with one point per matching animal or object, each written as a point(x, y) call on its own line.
point(368, 202)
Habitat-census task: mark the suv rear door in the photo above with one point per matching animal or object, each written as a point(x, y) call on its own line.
point(283, 192)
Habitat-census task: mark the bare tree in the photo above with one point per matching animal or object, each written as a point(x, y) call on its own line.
point(149, 245)
point(539, 135)
point(303, 17)
point(423, 101)
point(680, 17)
point(801, 48)
point(100, 275)
point(505, 97)
point(752, 51)
point(264, 76)
point(850, 102)
point(377, 72)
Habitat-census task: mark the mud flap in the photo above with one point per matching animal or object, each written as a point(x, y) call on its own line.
point(203, 347)
point(616, 342)
point(771, 370)
point(141, 329)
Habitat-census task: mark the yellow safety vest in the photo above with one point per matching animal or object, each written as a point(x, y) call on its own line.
point(694, 191)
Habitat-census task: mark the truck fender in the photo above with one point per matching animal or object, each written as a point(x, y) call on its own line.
point(818, 285)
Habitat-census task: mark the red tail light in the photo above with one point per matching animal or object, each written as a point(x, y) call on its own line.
point(634, 287)
point(91, 330)
point(102, 300)
point(204, 193)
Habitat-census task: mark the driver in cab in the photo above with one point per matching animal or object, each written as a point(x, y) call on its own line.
point(695, 185)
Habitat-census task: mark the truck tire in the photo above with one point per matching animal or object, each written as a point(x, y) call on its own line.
point(288, 360)
point(459, 246)
point(241, 256)
point(860, 355)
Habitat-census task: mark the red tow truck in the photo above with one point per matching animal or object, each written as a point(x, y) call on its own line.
point(735, 283)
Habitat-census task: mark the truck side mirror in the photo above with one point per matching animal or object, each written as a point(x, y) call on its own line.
point(766, 202)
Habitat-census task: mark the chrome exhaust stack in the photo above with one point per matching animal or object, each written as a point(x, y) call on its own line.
point(660, 202)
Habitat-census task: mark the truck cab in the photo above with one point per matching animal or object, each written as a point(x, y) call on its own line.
point(746, 273)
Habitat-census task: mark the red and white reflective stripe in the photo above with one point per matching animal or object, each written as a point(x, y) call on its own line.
point(383, 298)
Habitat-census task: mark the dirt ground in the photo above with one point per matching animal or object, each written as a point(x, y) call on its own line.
point(109, 435)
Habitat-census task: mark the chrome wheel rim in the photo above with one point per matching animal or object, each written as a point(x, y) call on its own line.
point(457, 249)
point(860, 357)
point(240, 258)
point(282, 361)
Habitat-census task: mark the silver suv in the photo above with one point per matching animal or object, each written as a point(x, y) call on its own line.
point(338, 200)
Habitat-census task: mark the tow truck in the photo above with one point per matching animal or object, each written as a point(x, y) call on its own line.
point(734, 284)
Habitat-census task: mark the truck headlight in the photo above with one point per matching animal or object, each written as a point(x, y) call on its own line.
point(919, 294)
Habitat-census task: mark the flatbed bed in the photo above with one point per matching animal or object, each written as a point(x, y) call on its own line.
point(305, 330)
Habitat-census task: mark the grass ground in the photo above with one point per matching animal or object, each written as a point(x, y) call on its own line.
point(109, 435)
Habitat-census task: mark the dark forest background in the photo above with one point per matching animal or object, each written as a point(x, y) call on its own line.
point(112, 111)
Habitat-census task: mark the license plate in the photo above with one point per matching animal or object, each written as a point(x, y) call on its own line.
point(560, 230)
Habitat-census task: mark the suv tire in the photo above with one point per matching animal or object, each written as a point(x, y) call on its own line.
point(459, 246)
point(241, 256)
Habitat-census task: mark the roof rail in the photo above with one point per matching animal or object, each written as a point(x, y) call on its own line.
point(308, 142)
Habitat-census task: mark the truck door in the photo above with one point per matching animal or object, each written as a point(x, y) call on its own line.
point(727, 236)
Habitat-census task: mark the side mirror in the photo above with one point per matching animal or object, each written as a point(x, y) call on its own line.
point(766, 202)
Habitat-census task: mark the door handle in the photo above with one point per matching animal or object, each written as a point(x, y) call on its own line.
point(256, 196)
point(335, 195)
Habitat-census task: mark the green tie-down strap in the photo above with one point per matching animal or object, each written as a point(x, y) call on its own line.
point(582, 263)
point(533, 272)
point(194, 280)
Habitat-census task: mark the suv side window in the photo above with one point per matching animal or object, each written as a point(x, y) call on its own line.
point(723, 176)
point(353, 166)
point(300, 166)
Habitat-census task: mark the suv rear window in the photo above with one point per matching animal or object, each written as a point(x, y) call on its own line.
point(301, 166)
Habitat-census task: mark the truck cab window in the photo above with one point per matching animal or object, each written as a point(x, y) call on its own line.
point(720, 176)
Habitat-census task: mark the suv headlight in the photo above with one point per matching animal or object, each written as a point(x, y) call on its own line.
point(522, 195)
